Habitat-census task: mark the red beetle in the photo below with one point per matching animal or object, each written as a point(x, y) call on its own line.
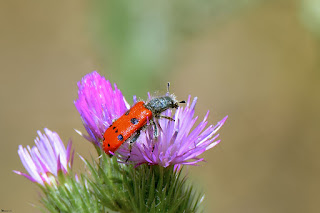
point(129, 125)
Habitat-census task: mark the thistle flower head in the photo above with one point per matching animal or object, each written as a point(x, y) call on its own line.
point(44, 161)
point(179, 142)
point(98, 104)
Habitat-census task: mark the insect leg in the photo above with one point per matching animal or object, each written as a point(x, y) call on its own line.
point(156, 125)
point(166, 117)
point(133, 139)
point(155, 129)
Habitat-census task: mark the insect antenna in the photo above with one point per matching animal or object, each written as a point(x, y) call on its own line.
point(168, 88)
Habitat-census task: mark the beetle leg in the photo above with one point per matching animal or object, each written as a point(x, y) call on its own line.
point(166, 117)
point(156, 125)
point(132, 140)
point(155, 129)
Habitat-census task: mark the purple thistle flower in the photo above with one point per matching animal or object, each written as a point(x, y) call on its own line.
point(177, 143)
point(46, 159)
point(99, 105)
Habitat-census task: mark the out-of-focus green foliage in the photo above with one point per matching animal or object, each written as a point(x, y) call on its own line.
point(310, 15)
point(138, 38)
point(135, 39)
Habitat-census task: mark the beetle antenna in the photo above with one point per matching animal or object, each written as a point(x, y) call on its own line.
point(182, 102)
point(168, 87)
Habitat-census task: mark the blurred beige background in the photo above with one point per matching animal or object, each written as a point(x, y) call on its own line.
point(261, 67)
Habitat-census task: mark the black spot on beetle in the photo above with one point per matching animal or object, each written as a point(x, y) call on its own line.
point(116, 131)
point(127, 112)
point(120, 137)
point(134, 121)
point(108, 145)
point(114, 127)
